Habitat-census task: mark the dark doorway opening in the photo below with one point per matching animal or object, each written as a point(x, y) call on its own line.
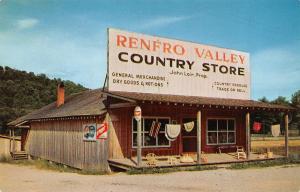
point(189, 139)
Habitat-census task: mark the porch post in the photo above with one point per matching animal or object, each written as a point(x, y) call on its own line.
point(198, 137)
point(248, 139)
point(139, 143)
point(14, 147)
point(10, 135)
point(138, 117)
point(286, 123)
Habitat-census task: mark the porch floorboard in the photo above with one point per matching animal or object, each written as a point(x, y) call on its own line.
point(212, 159)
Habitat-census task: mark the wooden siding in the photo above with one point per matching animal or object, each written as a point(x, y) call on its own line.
point(5, 147)
point(122, 123)
point(239, 117)
point(115, 149)
point(61, 141)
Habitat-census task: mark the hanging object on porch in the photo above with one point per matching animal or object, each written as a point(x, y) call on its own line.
point(189, 126)
point(168, 137)
point(154, 130)
point(256, 126)
point(172, 131)
point(275, 129)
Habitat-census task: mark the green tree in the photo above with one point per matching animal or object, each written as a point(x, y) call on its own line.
point(264, 99)
point(281, 101)
point(295, 123)
point(22, 92)
point(269, 118)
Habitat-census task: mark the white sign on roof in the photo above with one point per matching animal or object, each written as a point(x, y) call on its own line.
point(150, 64)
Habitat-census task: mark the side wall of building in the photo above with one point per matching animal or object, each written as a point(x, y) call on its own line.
point(62, 141)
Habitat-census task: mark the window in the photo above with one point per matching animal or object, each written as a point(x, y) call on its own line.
point(147, 141)
point(220, 131)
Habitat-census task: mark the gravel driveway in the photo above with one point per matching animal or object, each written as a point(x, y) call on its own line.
point(15, 178)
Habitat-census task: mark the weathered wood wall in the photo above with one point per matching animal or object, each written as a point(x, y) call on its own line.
point(122, 124)
point(4, 145)
point(61, 141)
point(115, 150)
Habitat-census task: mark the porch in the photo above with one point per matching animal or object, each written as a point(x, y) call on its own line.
point(218, 125)
point(210, 159)
point(17, 143)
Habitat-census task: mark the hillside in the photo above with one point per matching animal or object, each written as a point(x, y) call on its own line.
point(22, 92)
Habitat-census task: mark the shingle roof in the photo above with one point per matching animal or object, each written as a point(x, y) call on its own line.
point(80, 104)
point(91, 103)
point(197, 100)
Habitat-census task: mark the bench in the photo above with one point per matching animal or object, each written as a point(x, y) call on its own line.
point(223, 147)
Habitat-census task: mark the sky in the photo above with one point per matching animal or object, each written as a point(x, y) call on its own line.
point(67, 39)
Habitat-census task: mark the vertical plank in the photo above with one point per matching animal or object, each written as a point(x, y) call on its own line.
point(286, 123)
point(61, 141)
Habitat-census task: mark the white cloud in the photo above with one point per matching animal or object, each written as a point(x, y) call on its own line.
point(275, 71)
point(27, 23)
point(162, 21)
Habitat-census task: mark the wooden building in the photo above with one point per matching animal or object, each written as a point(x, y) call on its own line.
point(55, 132)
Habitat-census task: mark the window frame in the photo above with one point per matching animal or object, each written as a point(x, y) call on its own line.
point(217, 131)
point(143, 132)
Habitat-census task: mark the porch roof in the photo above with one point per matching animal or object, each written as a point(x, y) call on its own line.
point(198, 101)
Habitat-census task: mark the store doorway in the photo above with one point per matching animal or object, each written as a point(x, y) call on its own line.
point(189, 137)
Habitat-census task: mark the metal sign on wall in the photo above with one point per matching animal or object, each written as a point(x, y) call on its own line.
point(150, 64)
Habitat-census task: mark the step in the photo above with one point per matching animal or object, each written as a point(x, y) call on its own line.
point(19, 155)
point(20, 158)
point(119, 165)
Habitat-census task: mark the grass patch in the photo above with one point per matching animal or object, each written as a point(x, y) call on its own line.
point(262, 164)
point(49, 165)
point(44, 164)
point(278, 150)
point(156, 170)
point(5, 159)
point(153, 170)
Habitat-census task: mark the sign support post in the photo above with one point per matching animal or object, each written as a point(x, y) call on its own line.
point(138, 118)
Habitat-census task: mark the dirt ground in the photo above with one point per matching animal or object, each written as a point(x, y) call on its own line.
point(14, 178)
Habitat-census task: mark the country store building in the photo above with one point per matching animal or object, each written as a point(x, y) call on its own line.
point(191, 107)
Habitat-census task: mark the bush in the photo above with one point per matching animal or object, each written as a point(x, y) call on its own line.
point(5, 159)
point(155, 170)
point(261, 164)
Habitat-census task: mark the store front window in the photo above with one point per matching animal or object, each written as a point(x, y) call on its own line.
point(147, 140)
point(220, 131)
